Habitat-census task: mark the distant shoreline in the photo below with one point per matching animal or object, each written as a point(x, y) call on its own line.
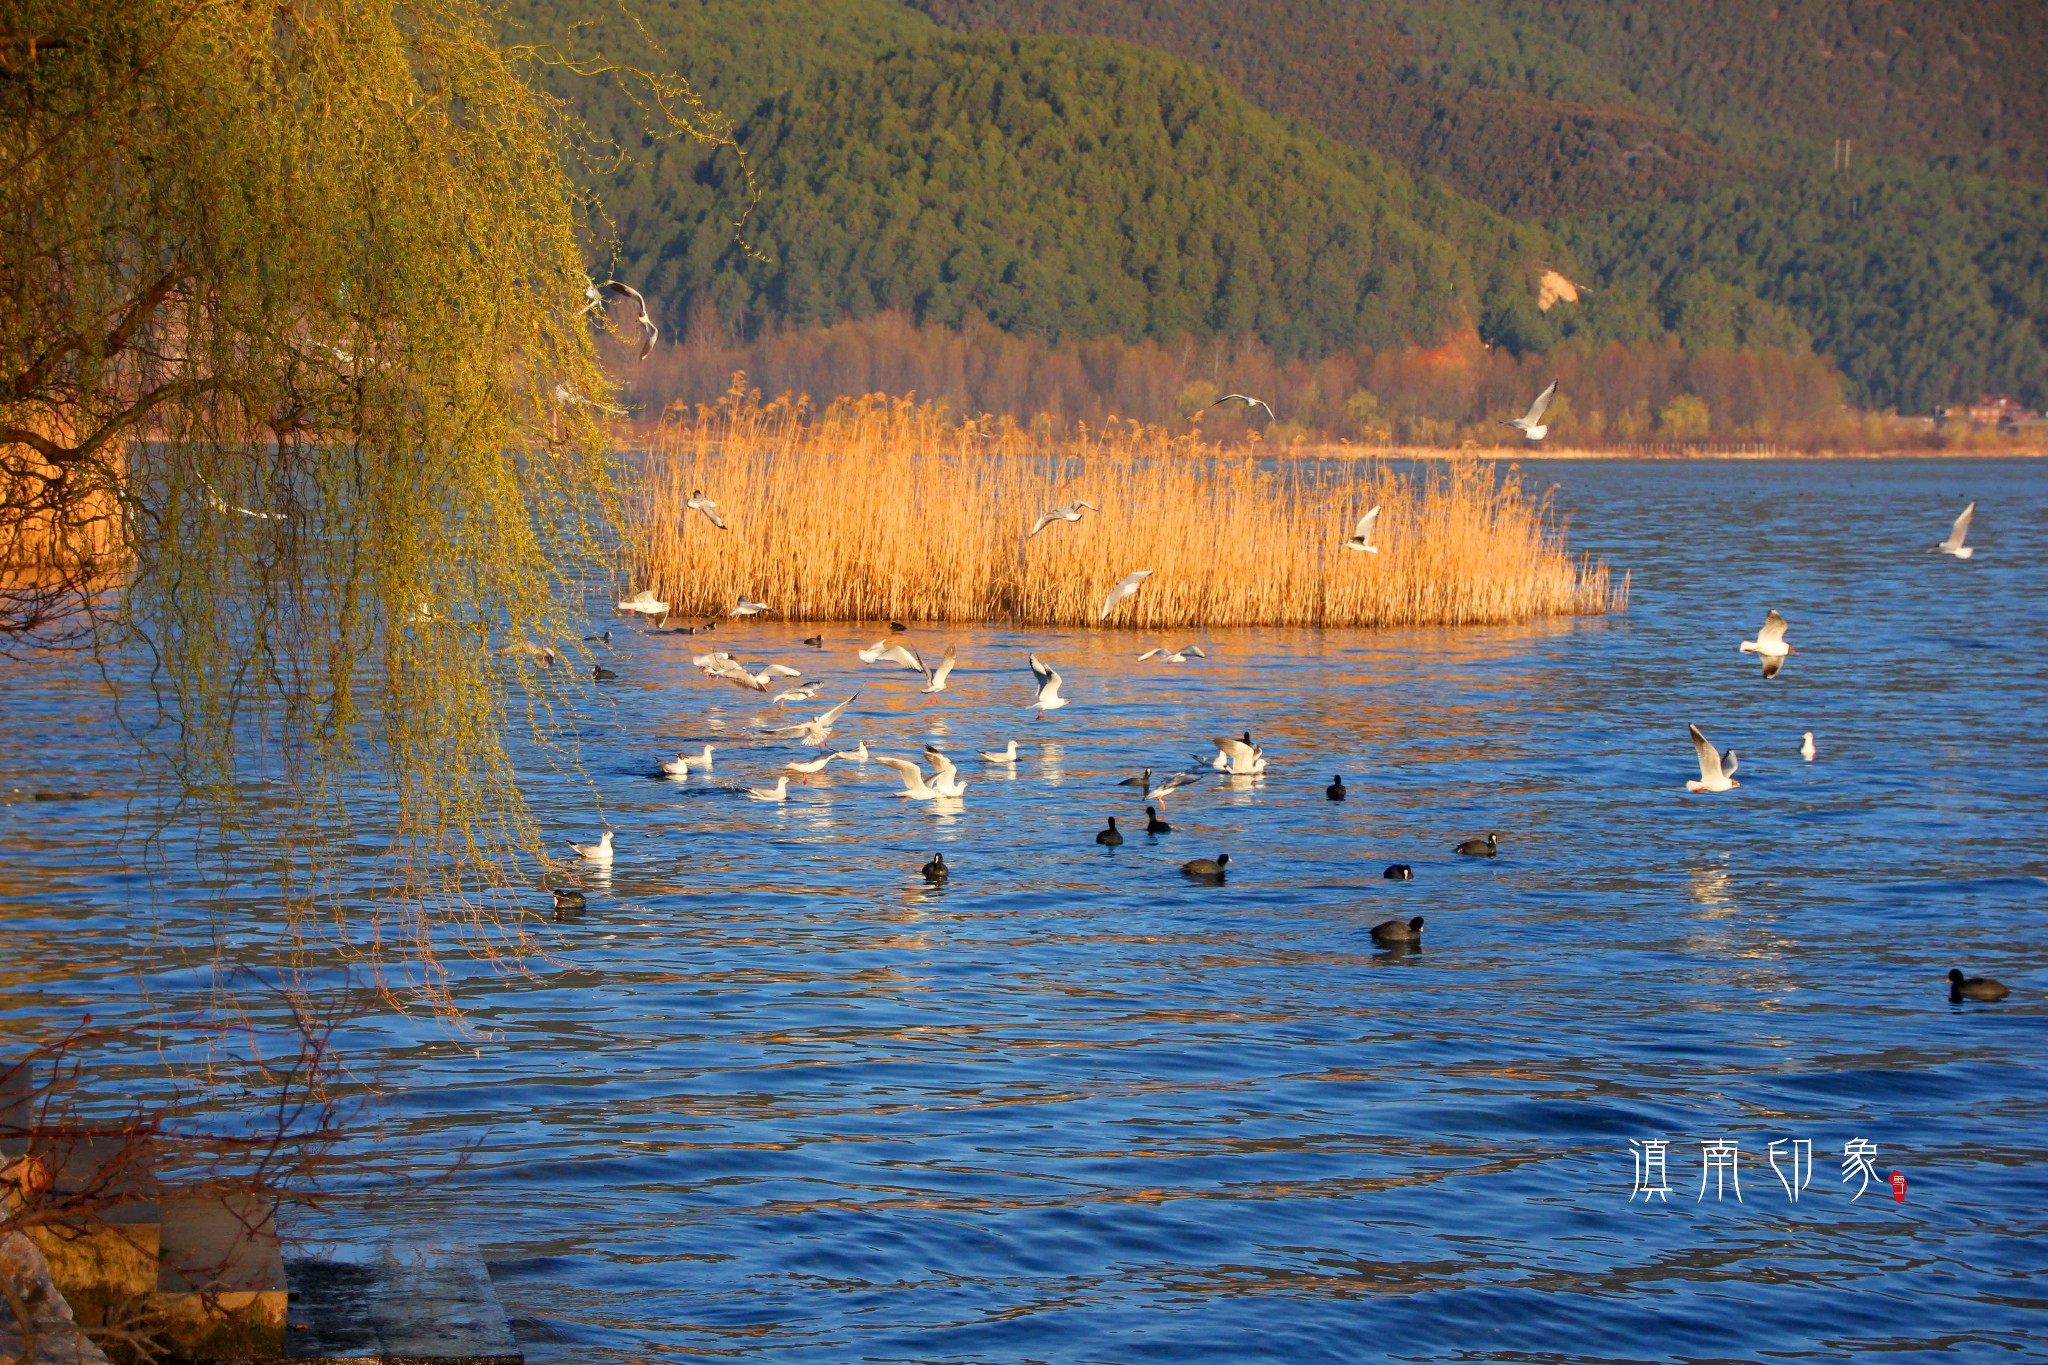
point(1546, 452)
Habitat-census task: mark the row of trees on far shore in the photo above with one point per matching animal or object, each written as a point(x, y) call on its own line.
point(1449, 395)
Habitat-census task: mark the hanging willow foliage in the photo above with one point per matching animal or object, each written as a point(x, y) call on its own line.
point(298, 395)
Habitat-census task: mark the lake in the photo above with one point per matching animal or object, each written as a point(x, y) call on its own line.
point(774, 1097)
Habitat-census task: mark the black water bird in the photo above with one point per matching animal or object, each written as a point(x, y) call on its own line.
point(1480, 848)
point(1398, 931)
point(1109, 836)
point(898, 627)
point(1209, 868)
point(568, 900)
point(815, 641)
point(1143, 779)
point(936, 870)
point(605, 638)
point(600, 673)
point(1399, 872)
point(1155, 825)
point(1335, 791)
point(1962, 987)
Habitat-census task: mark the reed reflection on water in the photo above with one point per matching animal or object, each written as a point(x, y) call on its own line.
point(776, 1096)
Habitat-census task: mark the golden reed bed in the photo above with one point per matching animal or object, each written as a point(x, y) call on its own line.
point(881, 508)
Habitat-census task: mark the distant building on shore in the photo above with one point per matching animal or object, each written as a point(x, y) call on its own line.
point(1993, 410)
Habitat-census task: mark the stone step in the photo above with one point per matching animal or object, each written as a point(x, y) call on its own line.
point(396, 1305)
point(105, 1260)
point(220, 1284)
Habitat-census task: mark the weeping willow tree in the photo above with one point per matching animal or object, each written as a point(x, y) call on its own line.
point(300, 402)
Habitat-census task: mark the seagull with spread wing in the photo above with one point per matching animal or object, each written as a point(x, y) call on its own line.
point(1048, 698)
point(1361, 539)
point(1530, 423)
point(699, 503)
point(1172, 656)
point(1071, 512)
point(1249, 403)
point(1127, 586)
point(648, 331)
point(1770, 644)
point(1717, 774)
point(1954, 544)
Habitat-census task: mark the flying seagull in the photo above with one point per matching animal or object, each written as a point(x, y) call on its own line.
point(1172, 784)
point(1173, 656)
point(1248, 401)
point(1049, 698)
point(1361, 539)
point(747, 608)
point(914, 785)
point(1770, 643)
point(565, 394)
point(935, 678)
point(1239, 758)
point(1071, 512)
point(1530, 424)
point(699, 503)
point(648, 331)
point(1125, 587)
point(1716, 774)
point(816, 732)
point(1954, 544)
point(644, 603)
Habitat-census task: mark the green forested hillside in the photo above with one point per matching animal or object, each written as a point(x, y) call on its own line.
point(1055, 186)
point(1507, 114)
point(1683, 147)
point(1925, 286)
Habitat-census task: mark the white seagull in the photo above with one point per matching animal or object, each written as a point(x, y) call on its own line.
point(1049, 698)
point(874, 651)
point(808, 766)
point(679, 766)
point(544, 655)
point(803, 693)
point(699, 503)
point(935, 678)
point(1248, 401)
point(1361, 539)
point(1238, 758)
point(648, 331)
point(1716, 773)
point(1770, 644)
point(778, 792)
point(644, 603)
point(1171, 785)
point(1126, 586)
point(1530, 423)
point(1954, 544)
point(1806, 749)
point(914, 785)
point(599, 852)
point(946, 779)
point(1071, 512)
point(702, 760)
point(747, 608)
point(1007, 756)
point(1172, 656)
point(816, 732)
point(857, 754)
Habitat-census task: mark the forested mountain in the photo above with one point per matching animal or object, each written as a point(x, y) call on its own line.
point(1055, 186)
point(1666, 138)
point(1321, 175)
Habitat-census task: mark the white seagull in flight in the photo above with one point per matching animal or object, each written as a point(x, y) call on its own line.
point(749, 608)
point(699, 503)
point(1361, 539)
point(1530, 423)
point(1071, 512)
point(1126, 586)
point(1770, 644)
point(648, 331)
point(1954, 544)
point(1716, 773)
point(1049, 698)
point(1248, 401)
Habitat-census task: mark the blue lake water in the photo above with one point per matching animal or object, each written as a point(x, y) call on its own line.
point(776, 1098)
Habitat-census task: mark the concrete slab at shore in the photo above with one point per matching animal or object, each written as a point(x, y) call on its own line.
point(395, 1306)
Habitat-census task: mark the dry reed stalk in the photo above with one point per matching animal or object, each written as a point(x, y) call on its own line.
point(880, 508)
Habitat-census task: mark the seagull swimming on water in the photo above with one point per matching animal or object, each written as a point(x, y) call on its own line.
point(1249, 402)
point(1006, 756)
point(778, 792)
point(1530, 423)
point(1806, 749)
point(1049, 698)
point(1126, 586)
point(1238, 757)
point(1071, 512)
point(599, 852)
point(1361, 539)
point(1717, 774)
point(1770, 644)
point(699, 503)
point(1954, 544)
